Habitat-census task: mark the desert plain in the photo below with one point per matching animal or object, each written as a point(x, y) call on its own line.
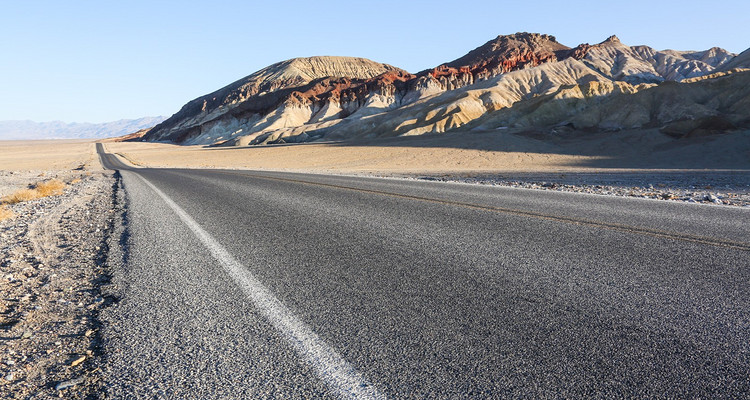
point(465, 153)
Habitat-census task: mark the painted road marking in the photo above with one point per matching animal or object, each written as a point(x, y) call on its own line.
point(336, 372)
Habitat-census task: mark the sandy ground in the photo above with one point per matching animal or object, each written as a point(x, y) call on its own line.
point(461, 154)
point(347, 158)
point(45, 155)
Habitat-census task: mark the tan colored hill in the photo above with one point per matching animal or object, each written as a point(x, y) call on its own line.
point(259, 92)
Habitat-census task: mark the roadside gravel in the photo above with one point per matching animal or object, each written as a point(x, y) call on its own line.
point(714, 187)
point(51, 271)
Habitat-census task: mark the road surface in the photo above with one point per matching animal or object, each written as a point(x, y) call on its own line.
point(247, 284)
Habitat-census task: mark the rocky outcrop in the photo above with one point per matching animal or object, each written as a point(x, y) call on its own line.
point(512, 52)
point(337, 98)
point(643, 64)
point(742, 61)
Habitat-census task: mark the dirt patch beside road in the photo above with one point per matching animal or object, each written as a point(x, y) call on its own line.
point(52, 251)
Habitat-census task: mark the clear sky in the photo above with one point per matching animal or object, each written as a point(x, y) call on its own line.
point(101, 60)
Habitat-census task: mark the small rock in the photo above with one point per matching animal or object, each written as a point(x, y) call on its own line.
point(78, 361)
point(89, 333)
point(27, 334)
point(710, 197)
point(67, 384)
point(9, 377)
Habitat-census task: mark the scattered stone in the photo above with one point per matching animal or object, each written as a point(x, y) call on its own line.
point(78, 361)
point(673, 187)
point(9, 377)
point(68, 383)
point(27, 334)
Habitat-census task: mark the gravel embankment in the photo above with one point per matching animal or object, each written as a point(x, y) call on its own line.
point(52, 268)
point(723, 188)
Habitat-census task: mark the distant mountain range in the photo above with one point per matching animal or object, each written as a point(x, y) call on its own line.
point(525, 82)
point(30, 130)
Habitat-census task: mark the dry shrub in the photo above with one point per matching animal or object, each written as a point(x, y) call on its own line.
point(51, 187)
point(5, 213)
point(21, 195)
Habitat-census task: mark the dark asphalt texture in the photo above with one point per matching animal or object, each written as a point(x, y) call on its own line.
point(428, 289)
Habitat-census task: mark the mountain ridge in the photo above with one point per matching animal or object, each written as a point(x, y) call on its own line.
point(31, 130)
point(381, 100)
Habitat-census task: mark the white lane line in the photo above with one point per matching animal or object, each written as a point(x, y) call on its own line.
point(337, 373)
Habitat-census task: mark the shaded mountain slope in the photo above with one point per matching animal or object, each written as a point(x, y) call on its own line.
point(741, 61)
point(698, 108)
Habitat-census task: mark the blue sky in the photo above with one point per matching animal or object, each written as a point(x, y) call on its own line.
point(97, 61)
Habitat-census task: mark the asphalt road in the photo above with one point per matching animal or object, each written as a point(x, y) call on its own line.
point(246, 284)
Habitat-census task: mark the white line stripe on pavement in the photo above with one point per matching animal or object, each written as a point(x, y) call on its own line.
point(337, 373)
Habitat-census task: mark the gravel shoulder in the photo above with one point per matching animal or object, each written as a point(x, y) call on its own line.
point(52, 254)
point(708, 187)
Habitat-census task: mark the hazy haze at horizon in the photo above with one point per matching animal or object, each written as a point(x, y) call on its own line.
point(94, 62)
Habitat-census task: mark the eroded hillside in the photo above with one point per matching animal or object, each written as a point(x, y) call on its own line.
point(520, 81)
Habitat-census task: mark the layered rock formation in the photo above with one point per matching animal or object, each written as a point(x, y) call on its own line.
point(520, 81)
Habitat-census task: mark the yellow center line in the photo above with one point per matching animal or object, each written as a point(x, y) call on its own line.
point(575, 221)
